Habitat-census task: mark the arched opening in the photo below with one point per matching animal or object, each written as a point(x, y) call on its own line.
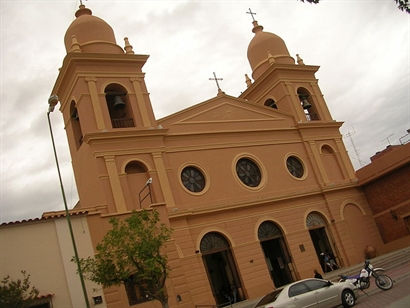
point(357, 225)
point(308, 105)
point(271, 103)
point(221, 269)
point(320, 235)
point(137, 177)
point(118, 106)
point(276, 253)
point(76, 126)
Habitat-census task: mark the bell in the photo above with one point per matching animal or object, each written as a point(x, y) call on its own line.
point(306, 104)
point(118, 102)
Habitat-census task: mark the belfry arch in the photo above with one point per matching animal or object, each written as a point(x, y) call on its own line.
point(276, 252)
point(75, 123)
point(321, 239)
point(118, 106)
point(221, 269)
point(308, 104)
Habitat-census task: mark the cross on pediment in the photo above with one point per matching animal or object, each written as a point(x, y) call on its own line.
point(216, 80)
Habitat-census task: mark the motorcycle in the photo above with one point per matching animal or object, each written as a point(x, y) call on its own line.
point(362, 280)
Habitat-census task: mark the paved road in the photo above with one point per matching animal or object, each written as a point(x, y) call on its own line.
point(397, 297)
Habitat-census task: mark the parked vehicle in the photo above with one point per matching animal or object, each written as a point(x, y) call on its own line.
point(310, 292)
point(362, 280)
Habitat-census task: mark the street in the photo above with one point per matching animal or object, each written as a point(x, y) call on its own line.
point(397, 297)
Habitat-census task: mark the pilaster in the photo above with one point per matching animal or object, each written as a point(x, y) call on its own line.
point(163, 178)
point(142, 108)
point(92, 88)
point(116, 187)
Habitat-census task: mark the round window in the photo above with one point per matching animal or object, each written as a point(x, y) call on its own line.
point(248, 172)
point(193, 179)
point(295, 167)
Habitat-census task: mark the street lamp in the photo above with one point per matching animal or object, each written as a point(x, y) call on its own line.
point(52, 102)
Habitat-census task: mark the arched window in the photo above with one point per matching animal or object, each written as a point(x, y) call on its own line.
point(271, 103)
point(268, 230)
point(308, 105)
point(327, 149)
point(315, 220)
point(135, 167)
point(75, 124)
point(213, 242)
point(118, 106)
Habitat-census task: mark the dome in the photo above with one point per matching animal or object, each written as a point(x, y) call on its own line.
point(266, 48)
point(91, 33)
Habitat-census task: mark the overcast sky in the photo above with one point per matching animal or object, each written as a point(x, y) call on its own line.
point(361, 46)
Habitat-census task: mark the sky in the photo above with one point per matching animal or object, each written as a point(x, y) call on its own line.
point(361, 46)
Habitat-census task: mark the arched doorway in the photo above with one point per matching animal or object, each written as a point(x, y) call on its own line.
point(221, 269)
point(319, 234)
point(276, 253)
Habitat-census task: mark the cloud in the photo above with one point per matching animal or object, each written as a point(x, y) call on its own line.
point(362, 47)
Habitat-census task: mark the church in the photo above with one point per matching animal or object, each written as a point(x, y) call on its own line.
point(256, 188)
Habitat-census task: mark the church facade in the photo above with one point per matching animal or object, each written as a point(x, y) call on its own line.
point(257, 188)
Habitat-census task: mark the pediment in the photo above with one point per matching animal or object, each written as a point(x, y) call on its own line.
point(227, 113)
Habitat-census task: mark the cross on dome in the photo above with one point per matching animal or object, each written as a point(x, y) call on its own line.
point(252, 13)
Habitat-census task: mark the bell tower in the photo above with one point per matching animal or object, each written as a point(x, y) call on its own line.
point(280, 82)
point(291, 87)
point(105, 106)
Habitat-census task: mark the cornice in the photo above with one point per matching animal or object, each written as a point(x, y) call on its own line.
point(74, 58)
point(277, 67)
point(119, 134)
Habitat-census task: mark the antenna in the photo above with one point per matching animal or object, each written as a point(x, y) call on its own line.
point(349, 135)
point(388, 138)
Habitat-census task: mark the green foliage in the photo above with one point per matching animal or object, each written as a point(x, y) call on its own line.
point(403, 5)
point(132, 248)
point(311, 1)
point(17, 293)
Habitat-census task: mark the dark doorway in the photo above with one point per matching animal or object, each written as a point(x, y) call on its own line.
point(276, 253)
point(322, 247)
point(221, 270)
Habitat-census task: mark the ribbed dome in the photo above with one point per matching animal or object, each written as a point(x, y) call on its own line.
point(92, 34)
point(263, 46)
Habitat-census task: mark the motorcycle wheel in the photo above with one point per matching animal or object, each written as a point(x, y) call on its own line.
point(384, 282)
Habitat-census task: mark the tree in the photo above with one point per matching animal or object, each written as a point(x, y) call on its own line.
point(403, 5)
point(130, 254)
point(17, 293)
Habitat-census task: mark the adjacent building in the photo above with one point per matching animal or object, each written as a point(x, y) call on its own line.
point(386, 184)
point(43, 248)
